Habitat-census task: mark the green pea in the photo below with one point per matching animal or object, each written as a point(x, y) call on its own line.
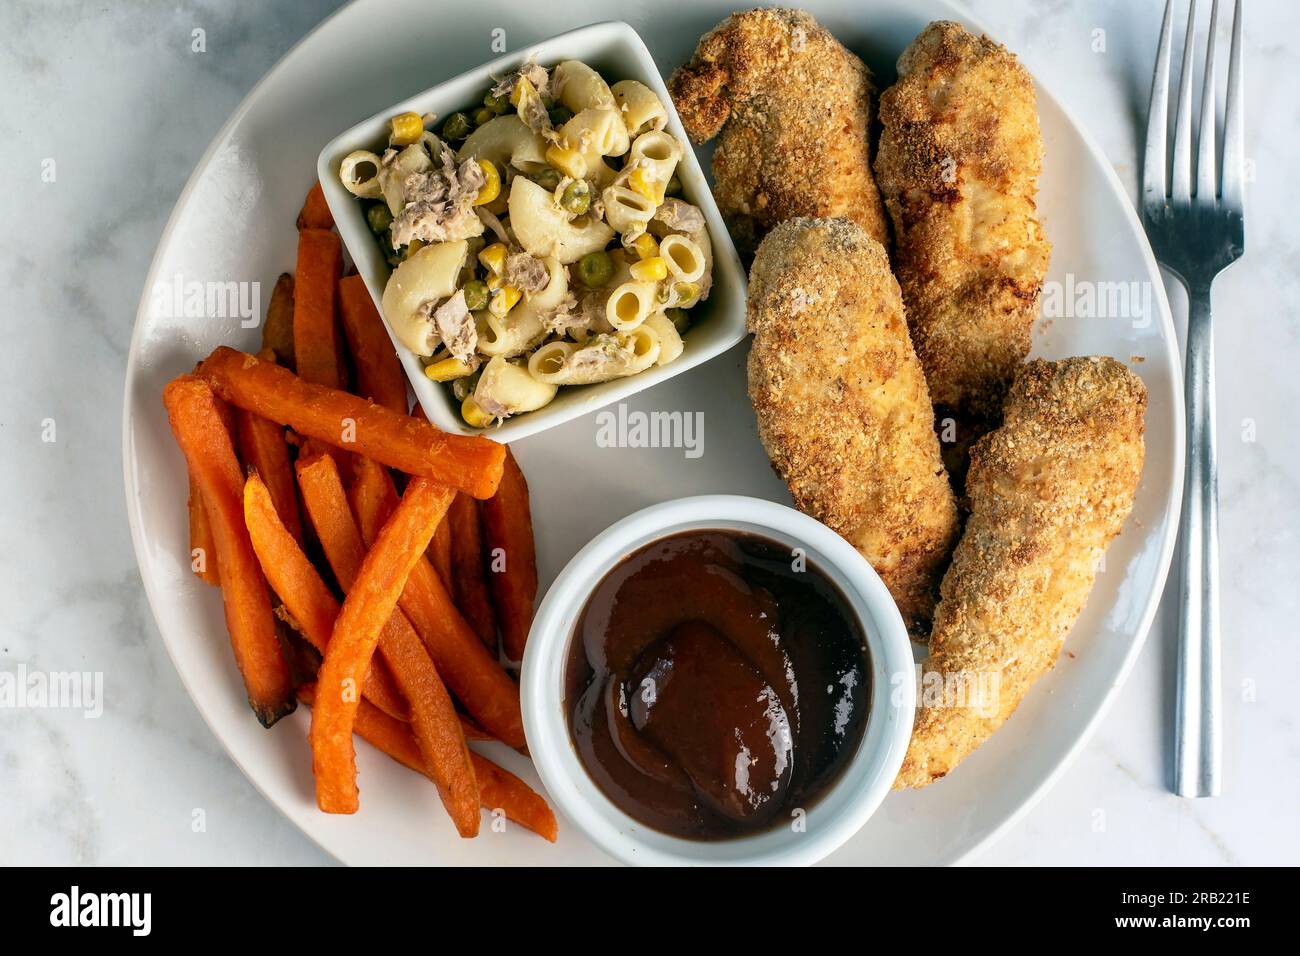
point(595, 269)
point(674, 187)
point(497, 104)
point(483, 115)
point(456, 127)
point(476, 295)
point(378, 217)
point(576, 197)
point(549, 179)
point(680, 318)
point(560, 115)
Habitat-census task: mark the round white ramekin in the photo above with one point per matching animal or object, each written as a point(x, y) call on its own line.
point(840, 811)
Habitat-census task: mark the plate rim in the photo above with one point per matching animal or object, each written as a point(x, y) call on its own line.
point(1083, 732)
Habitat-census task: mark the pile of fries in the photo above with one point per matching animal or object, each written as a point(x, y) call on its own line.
point(337, 524)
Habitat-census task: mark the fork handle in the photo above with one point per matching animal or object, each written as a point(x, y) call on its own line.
point(1198, 741)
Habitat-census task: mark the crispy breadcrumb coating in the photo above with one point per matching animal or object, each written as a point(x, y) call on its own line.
point(958, 165)
point(1048, 491)
point(793, 107)
point(842, 404)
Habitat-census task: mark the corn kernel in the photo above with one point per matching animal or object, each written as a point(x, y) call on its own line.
point(493, 257)
point(473, 414)
point(645, 246)
point(407, 128)
point(447, 370)
point(505, 299)
point(641, 181)
point(650, 270)
point(566, 160)
point(492, 185)
point(522, 89)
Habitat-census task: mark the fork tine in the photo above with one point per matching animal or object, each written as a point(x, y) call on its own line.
point(1154, 164)
point(1181, 189)
point(1233, 146)
point(1206, 170)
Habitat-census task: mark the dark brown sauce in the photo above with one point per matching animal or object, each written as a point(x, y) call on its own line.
point(716, 684)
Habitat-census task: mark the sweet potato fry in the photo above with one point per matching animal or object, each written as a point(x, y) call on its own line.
point(263, 449)
point(498, 787)
point(379, 375)
point(317, 341)
point(433, 716)
point(468, 571)
point(512, 557)
point(398, 547)
point(277, 331)
point(315, 212)
point(203, 551)
point(469, 669)
point(305, 596)
point(466, 462)
point(195, 419)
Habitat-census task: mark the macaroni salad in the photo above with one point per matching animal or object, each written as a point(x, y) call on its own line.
point(538, 241)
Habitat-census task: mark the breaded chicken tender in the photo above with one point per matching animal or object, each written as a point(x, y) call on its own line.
point(793, 107)
point(958, 165)
point(842, 404)
point(1048, 491)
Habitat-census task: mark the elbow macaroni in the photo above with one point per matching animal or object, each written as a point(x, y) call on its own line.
point(428, 276)
point(640, 107)
point(581, 283)
point(579, 87)
point(506, 140)
point(507, 388)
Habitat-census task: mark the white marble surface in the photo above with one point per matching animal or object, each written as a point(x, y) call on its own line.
point(115, 97)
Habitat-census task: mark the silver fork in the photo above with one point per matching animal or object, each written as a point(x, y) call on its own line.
point(1197, 233)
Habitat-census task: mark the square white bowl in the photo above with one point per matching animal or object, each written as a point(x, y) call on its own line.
point(617, 52)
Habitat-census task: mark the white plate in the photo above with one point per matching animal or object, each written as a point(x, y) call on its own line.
point(234, 221)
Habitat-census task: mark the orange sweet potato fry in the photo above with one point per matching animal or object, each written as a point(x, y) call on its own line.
point(469, 669)
point(263, 448)
point(468, 570)
point(468, 463)
point(499, 789)
point(277, 331)
point(433, 716)
point(508, 531)
point(205, 441)
point(379, 375)
point(305, 596)
point(203, 551)
point(365, 613)
point(315, 212)
point(317, 340)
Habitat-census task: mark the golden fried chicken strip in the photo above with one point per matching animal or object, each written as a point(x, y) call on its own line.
point(1048, 491)
point(958, 165)
point(842, 404)
point(793, 107)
